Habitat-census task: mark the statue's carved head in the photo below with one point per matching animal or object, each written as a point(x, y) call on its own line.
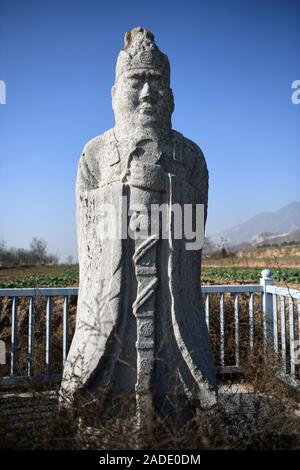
point(142, 96)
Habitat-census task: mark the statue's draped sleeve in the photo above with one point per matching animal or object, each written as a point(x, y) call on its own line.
point(184, 267)
point(100, 317)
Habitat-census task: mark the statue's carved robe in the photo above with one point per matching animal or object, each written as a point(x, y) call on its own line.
point(103, 350)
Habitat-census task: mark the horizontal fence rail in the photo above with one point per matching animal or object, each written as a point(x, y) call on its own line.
point(236, 315)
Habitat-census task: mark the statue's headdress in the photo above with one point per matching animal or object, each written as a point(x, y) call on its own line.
point(140, 51)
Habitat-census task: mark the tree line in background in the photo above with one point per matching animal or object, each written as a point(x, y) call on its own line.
point(36, 255)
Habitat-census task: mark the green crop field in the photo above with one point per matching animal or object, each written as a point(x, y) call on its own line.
point(245, 275)
point(65, 276)
point(43, 280)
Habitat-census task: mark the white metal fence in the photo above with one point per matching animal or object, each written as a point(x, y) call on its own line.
point(279, 327)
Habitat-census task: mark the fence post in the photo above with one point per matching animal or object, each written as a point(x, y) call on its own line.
point(267, 307)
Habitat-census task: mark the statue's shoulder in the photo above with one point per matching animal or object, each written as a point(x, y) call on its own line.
point(191, 151)
point(92, 155)
point(95, 147)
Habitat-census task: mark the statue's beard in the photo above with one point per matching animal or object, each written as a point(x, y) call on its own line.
point(144, 117)
point(147, 118)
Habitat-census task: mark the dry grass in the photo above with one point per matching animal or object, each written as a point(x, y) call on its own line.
point(287, 256)
point(264, 418)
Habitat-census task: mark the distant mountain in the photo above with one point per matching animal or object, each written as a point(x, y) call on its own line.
point(271, 239)
point(280, 223)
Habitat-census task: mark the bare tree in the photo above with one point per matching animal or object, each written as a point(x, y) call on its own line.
point(39, 250)
point(37, 254)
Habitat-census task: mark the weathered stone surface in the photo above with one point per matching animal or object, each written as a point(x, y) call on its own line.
point(140, 321)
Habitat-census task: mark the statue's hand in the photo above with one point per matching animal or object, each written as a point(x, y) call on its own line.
point(147, 176)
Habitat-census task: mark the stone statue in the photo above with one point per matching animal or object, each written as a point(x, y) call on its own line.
point(140, 320)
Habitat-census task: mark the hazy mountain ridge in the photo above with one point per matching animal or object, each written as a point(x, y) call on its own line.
point(274, 227)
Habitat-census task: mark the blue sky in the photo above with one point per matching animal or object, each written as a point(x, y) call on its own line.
point(232, 66)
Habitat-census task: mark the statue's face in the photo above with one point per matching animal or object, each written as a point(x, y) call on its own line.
point(143, 98)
